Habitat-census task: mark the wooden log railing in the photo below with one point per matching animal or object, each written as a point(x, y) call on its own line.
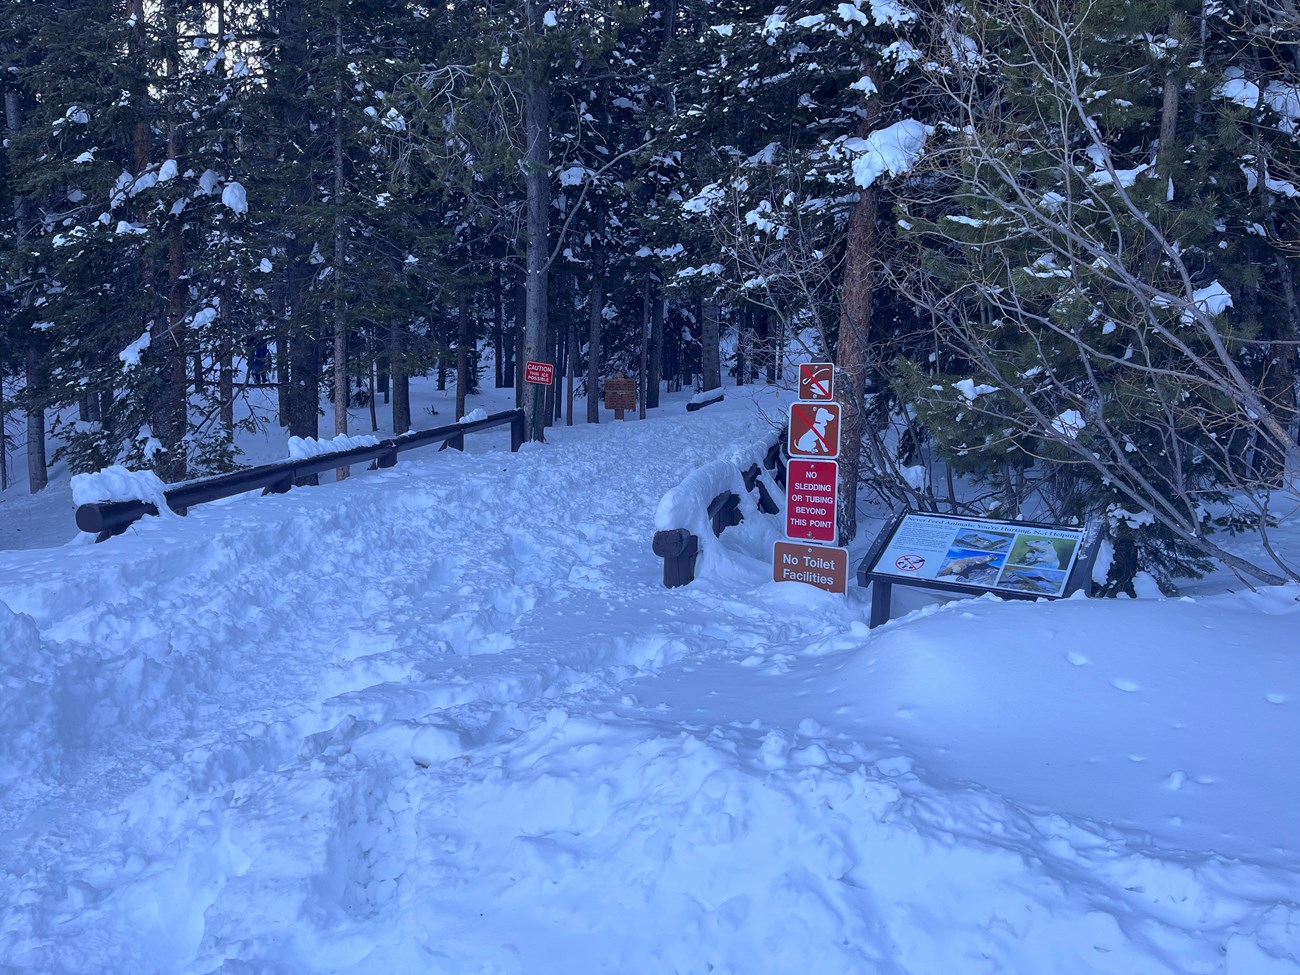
point(108, 518)
point(680, 548)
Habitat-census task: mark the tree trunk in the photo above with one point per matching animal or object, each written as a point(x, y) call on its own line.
point(537, 129)
point(304, 390)
point(401, 383)
point(4, 439)
point(768, 342)
point(283, 394)
point(226, 373)
point(37, 477)
point(594, 321)
point(655, 378)
point(861, 248)
point(554, 397)
point(742, 342)
point(342, 381)
point(174, 412)
point(710, 343)
point(643, 371)
point(521, 315)
point(462, 351)
point(374, 410)
point(571, 366)
point(1169, 106)
point(34, 395)
point(499, 369)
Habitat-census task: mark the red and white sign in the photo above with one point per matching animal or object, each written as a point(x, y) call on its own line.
point(815, 430)
point(817, 381)
point(810, 499)
point(909, 563)
point(542, 373)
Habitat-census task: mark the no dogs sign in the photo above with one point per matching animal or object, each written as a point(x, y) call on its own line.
point(815, 430)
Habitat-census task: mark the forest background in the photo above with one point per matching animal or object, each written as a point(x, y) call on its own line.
point(1050, 246)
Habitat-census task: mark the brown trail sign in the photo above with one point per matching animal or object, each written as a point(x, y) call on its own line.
point(620, 395)
point(825, 568)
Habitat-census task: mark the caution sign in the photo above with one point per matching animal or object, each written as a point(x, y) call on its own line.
point(814, 565)
point(810, 498)
point(816, 381)
point(541, 373)
point(814, 430)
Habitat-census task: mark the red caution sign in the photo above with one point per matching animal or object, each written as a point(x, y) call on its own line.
point(814, 430)
point(541, 373)
point(810, 498)
point(816, 381)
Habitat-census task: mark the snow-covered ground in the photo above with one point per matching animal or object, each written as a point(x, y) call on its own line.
point(445, 719)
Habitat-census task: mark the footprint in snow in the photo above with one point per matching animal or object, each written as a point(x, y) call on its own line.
point(1125, 685)
point(1078, 659)
point(1275, 698)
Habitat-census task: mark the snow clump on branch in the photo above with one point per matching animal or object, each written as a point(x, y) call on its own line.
point(893, 150)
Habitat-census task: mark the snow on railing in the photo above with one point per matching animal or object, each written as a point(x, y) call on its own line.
point(705, 398)
point(109, 502)
point(711, 499)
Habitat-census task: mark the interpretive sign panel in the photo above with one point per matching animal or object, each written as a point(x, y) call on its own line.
point(541, 373)
point(979, 554)
point(1015, 559)
point(814, 430)
point(825, 568)
point(810, 498)
point(816, 381)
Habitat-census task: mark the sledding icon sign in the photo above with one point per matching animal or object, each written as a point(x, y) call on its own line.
point(814, 430)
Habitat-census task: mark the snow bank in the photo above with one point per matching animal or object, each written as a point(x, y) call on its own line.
point(301, 448)
point(116, 483)
point(421, 737)
point(25, 701)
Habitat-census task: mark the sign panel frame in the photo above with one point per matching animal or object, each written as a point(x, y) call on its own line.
point(814, 429)
point(816, 381)
point(539, 373)
point(812, 484)
point(813, 565)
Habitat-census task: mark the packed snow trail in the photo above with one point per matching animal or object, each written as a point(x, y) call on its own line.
point(445, 719)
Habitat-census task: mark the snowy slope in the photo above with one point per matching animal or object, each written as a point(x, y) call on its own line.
point(444, 719)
